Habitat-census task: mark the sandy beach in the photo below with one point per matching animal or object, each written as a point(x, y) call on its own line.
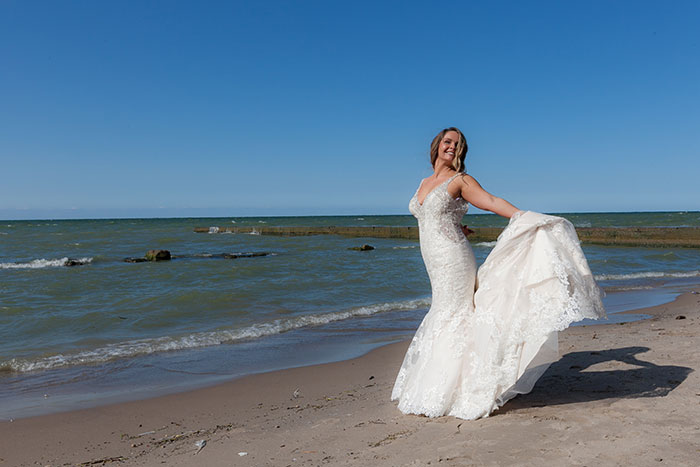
point(621, 394)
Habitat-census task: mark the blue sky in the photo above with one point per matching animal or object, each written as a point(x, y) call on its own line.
point(159, 109)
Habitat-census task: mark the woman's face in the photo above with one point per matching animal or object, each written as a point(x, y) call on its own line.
point(448, 145)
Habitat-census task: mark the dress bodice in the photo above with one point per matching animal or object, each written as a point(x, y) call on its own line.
point(440, 215)
point(444, 247)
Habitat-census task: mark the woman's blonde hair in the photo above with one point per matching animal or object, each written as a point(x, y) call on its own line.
point(460, 151)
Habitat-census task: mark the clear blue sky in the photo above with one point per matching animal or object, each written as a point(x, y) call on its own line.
point(150, 109)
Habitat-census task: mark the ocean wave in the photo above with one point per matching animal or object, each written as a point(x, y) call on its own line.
point(44, 263)
point(135, 348)
point(645, 275)
point(486, 244)
point(404, 247)
point(628, 289)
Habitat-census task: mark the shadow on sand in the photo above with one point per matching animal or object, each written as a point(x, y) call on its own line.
point(568, 380)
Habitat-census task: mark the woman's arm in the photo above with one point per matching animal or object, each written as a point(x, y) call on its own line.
point(474, 194)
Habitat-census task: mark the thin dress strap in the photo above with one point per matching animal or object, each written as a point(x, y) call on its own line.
point(454, 176)
point(450, 181)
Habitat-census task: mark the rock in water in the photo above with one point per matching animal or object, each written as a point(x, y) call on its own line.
point(157, 255)
point(244, 255)
point(364, 247)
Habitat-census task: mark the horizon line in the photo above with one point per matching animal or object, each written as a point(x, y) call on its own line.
point(323, 215)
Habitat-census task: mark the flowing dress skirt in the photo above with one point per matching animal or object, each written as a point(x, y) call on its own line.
point(476, 350)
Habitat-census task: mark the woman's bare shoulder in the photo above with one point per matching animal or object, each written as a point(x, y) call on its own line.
point(467, 179)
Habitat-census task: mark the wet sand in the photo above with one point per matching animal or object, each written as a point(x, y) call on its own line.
point(621, 394)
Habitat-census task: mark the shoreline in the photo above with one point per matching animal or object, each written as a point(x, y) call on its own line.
point(80, 387)
point(617, 388)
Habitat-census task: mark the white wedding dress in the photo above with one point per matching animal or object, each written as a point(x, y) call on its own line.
point(475, 350)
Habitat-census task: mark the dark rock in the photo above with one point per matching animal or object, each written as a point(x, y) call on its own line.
point(244, 255)
point(157, 255)
point(364, 247)
point(74, 262)
point(135, 260)
point(680, 317)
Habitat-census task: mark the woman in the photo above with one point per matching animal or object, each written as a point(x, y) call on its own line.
point(475, 350)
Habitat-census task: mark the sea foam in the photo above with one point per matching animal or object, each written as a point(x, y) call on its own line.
point(133, 348)
point(42, 263)
point(645, 275)
point(486, 244)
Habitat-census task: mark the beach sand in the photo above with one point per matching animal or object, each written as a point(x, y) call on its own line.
point(621, 394)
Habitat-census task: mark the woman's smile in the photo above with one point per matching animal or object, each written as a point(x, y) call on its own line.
point(448, 145)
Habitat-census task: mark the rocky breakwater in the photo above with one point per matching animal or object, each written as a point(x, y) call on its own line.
point(164, 255)
point(151, 255)
point(669, 237)
point(77, 262)
point(364, 247)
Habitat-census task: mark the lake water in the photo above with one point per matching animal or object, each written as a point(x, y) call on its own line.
point(109, 330)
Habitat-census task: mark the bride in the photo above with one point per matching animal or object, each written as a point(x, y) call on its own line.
point(488, 336)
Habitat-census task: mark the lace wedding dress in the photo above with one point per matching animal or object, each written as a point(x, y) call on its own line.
point(475, 350)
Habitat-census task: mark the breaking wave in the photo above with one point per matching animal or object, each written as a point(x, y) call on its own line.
point(645, 275)
point(628, 288)
point(486, 244)
point(44, 263)
point(134, 348)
